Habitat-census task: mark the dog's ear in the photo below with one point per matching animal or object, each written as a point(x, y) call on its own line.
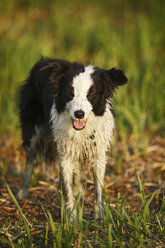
point(117, 77)
point(57, 66)
point(105, 83)
point(56, 69)
point(113, 78)
point(59, 72)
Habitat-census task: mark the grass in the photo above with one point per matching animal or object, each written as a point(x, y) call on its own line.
point(29, 238)
point(126, 34)
point(121, 227)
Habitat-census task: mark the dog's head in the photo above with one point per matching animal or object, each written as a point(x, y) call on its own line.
point(81, 89)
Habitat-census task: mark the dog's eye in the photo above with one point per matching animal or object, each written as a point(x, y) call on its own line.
point(91, 94)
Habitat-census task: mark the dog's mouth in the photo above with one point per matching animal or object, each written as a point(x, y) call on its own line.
point(79, 124)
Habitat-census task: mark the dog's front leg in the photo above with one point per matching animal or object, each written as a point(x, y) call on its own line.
point(99, 172)
point(77, 187)
point(66, 170)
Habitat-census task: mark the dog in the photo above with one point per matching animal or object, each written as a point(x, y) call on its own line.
point(65, 108)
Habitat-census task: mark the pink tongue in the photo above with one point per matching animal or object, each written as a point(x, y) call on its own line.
point(79, 124)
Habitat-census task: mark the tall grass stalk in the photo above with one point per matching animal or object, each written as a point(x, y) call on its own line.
point(29, 237)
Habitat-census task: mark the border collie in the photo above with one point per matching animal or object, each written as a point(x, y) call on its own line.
point(65, 109)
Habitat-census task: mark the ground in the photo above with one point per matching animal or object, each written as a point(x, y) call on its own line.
point(124, 163)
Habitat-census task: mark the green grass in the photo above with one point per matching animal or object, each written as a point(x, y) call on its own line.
point(121, 227)
point(128, 34)
point(28, 234)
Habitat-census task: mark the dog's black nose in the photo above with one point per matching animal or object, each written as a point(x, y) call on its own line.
point(79, 114)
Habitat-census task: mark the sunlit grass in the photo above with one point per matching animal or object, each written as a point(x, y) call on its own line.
point(104, 34)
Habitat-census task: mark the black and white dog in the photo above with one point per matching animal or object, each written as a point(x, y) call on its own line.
point(65, 109)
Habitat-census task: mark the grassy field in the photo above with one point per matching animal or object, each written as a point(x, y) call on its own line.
point(126, 34)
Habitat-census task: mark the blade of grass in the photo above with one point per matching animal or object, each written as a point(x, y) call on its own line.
point(89, 244)
point(108, 211)
point(11, 242)
point(75, 206)
point(46, 234)
point(146, 208)
point(50, 219)
point(22, 216)
point(52, 225)
point(6, 241)
point(141, 190)
point(159, 223)
point(146, 227)
point(110, 236)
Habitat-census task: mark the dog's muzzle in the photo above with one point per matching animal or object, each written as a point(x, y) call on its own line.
point(79, 123)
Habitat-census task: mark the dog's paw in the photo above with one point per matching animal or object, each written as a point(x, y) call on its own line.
point(78, 191)
point(21, 194)
point(72, 216)
point(99, 213)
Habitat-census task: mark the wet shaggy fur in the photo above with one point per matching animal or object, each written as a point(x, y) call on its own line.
point(65, 110)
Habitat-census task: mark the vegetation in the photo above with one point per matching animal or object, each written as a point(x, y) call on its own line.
point(120, 227)
point(115, 33)
point(128, 34)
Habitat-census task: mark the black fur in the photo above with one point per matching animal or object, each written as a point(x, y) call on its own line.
point(105, 82)
point(51, 80)
point(61, 75)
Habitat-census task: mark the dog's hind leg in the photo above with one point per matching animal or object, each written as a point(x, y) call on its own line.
point(31, 150)
point(26, 178)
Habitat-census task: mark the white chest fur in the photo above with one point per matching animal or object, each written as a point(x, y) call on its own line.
point(90, 143)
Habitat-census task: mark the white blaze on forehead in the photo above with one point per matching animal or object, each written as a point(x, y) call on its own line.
point(83, 82)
